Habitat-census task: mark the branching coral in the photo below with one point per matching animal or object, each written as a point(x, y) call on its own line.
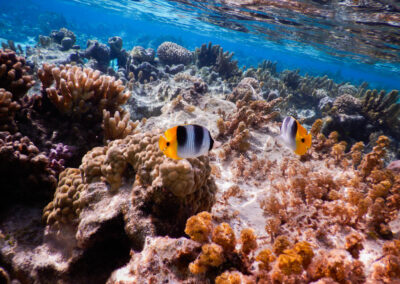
point(206, 55)
point(76, 91)
point(248, 240)
point(383, 109)
point(247, 89)
point(117, 126)
point(66, 206)
point(14, 74)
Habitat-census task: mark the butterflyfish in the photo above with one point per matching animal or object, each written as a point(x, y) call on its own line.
point(186, 141)
point(295, 136)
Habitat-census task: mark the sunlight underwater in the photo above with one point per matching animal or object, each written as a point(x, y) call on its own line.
point(143, 153)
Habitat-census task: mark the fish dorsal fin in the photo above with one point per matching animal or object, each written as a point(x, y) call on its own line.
point(301, 131)
point(170, 133)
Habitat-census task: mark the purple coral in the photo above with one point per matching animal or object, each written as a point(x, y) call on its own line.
point(60, 153)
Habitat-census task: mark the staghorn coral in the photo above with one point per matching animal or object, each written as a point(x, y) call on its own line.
point(66, 206)
point(225, 66)
point(172, 53)
point(8, 108)
point(78, 91)
point(206, 55)
point(383, 110)
point(117, 126)
point(14, 74)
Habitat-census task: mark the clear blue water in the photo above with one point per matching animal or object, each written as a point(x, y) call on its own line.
point(314, 44)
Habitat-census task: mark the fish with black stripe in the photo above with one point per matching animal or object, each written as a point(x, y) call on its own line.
point(186, 141)
point(295, 136)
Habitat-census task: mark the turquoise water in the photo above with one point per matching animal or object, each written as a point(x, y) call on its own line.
point(311, 44)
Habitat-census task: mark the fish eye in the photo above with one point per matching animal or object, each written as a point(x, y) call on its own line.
point(302, 140)
point(167, 144)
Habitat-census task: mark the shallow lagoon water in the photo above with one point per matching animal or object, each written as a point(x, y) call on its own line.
point(148, 22)
point(88, 196)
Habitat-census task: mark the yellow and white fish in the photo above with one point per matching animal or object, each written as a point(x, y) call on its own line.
point(295, 136)
point(186, 141)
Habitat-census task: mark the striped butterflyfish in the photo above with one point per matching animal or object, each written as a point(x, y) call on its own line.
point(186, 141)
point(295, 136)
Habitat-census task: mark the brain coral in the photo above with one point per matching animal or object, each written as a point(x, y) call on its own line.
point(172, 53)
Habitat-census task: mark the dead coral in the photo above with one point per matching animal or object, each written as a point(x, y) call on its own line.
point(247, 89)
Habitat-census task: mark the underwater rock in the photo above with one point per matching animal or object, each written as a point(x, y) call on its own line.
point(117, 52)
point(141, 54)
point(100, 52)
point(161, 258)
point(172, 53)
point(63, 37)
point(67, 43)
point(174, 69)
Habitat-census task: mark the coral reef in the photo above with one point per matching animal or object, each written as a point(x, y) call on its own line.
point(172, 53)
point(14, 74)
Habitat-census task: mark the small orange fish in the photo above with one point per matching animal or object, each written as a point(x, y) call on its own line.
point(295, 136)
point(186, 141)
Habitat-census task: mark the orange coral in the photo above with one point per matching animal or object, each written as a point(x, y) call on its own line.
point(289, 262)
point(354, 244)
point(211, 255)
point(266, 258)
point(224, 236)
point(281, 243)
point(305, 251)
point(229, 278)
point(199, 227)
point(248, 240)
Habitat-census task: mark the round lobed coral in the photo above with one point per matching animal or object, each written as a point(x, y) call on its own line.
point(172, 53)
point(65, 207)
point(91, 164)
point(8, 107)
point(14, 74)
point(211, 255)
point(114, 166)
point(26, 173)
